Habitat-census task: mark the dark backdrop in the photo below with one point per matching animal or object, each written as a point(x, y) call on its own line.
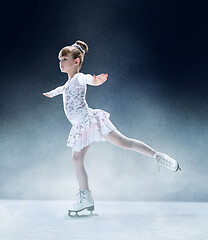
point(155, 53)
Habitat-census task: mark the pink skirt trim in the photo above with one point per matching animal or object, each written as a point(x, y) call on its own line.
point(96, 124)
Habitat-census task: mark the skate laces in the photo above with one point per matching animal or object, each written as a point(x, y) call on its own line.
point(80, 196)
point(163, 160)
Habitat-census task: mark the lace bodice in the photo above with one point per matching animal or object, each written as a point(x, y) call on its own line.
point(74, 92)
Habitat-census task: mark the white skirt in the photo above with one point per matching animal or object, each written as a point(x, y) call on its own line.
point(96, 124)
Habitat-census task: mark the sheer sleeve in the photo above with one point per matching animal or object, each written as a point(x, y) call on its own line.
point(85, 79)
point(56, 91)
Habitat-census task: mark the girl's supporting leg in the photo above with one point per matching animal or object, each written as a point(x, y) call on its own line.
point(78, 160)
point(124, 142)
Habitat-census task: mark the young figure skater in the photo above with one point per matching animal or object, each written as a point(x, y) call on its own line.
point(90, 125)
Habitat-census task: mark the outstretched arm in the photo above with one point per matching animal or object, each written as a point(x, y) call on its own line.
point(92, 79)
point(55, 92)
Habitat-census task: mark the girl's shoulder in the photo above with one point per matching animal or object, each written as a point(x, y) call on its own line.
point(77, 78)
point(81, 78)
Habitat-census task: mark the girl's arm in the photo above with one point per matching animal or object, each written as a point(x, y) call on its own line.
point(92, 80)
point(55, 92)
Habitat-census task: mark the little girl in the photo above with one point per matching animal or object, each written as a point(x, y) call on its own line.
point(90, 125)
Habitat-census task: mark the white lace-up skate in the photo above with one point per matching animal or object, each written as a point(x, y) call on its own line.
point(84, 201)
point(166, 161)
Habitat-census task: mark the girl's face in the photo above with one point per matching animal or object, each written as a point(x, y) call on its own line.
point(68, 63)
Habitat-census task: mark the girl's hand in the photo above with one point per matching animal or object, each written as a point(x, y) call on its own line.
point(45, 94)
point(99, 79)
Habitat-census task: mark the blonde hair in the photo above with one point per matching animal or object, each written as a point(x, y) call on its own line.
point(74, 51)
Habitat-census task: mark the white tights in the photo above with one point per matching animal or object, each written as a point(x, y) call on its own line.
point(117, 139)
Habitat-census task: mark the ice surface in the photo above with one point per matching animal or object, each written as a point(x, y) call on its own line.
point(34, 219)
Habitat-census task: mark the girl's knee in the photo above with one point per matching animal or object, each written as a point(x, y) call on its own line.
point(77, 158)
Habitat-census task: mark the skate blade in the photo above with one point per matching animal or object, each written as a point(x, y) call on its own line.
point(76, 215)
point(82, 212)
point(178, 168)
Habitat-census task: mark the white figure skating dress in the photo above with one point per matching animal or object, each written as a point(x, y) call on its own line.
point(88, 125)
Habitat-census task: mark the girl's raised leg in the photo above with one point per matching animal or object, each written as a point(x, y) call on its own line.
point(124, 142)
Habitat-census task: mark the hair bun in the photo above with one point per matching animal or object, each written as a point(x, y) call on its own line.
point(83, 45)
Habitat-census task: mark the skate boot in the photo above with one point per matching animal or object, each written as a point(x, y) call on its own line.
point(166, 161)
point(84, 201)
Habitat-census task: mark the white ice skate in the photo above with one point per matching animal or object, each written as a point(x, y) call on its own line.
point(166, 161)
point(84, 201)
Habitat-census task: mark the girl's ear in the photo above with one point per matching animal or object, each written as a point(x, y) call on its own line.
point(77, 60)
